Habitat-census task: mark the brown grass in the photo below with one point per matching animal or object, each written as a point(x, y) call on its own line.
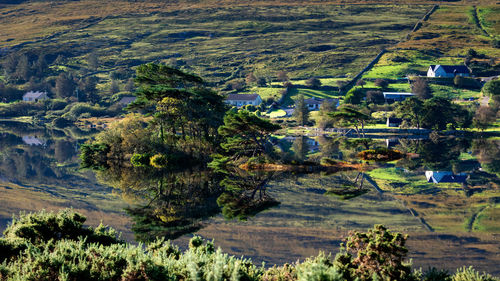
point(36, 20)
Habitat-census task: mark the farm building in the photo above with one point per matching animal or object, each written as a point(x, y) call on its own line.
point(243, 99)
point(449, 71)
point(394, 122)
point(445, 176)
point(315, 103)
point(32, 96)
point(33, 140)
point(393, 96)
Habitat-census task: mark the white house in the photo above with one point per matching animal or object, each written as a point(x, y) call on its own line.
point(315, 103)
point(35, 96)
point(449, 71)
point(33, 140)
point(239, 100)
point(391, 97)
point(445, 176)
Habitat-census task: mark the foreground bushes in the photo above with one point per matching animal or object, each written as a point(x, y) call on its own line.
point(49, 246)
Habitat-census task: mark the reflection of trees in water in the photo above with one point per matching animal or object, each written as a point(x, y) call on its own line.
point(488, 154)
point(348, 186)
point(171, 204)
point(166, 204)
point(21, 162)
point(438, 154)
point(245, 194)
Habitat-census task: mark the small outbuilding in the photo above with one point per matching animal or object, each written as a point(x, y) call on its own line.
point(33, 140)
point(448, 71)
point(34, 96)
point(315, 103)
point(394, 96)
point(239, 100)
point(394, 122)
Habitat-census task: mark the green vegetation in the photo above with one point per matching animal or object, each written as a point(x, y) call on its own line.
point(374, 255)
point(437, 42)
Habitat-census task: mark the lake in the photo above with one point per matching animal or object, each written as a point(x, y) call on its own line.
point(446, 196)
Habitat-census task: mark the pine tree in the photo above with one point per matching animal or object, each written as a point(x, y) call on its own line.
point(65, 86)
point(301, 112)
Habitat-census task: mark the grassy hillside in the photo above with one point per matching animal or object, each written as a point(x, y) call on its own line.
point(445, 38)
point(217, 41)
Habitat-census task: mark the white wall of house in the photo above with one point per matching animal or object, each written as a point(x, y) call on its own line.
point(240, 103)
point(39, 98)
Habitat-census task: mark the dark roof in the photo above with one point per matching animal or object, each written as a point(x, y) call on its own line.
point(446, 176)
point(394, 120)
point(316, 100)
point(452, 68)
point(397, 94)
point(32, 94)
point(242, 97)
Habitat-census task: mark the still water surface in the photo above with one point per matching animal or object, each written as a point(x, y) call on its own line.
point(447, 198)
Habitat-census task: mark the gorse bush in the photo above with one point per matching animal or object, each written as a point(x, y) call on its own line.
point(56, 246)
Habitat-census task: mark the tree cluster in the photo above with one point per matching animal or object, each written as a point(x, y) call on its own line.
point(436, 113)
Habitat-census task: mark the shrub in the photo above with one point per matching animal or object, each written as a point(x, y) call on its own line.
point(39, 228)
point(250, 107)
point(313, 83)
point(469, 274)
point(159, 161)
point(491, 88)
point(380, 154)
point(81, 108)
point(56, 246)
point(375, 255)
point(382, 83)
point(354, 96)
point(140, 159)
point(464, 82)
point(376, 97)
point(434, 274)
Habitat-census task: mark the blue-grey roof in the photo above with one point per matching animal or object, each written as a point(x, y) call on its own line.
point(34, 95)
point(445, 176)
point(242, 97)
point(452, 68)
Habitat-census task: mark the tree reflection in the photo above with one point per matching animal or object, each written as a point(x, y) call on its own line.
point(348, 187)
point(433, 154)
point(170, 204)
point(488, 154)
point(245, 194)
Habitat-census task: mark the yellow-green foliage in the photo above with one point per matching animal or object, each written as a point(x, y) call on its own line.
point(159, 161)
point(59, 255)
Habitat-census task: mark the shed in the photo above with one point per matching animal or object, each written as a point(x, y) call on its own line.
point(394, 122)
point(34, 96)
point(395, 96)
